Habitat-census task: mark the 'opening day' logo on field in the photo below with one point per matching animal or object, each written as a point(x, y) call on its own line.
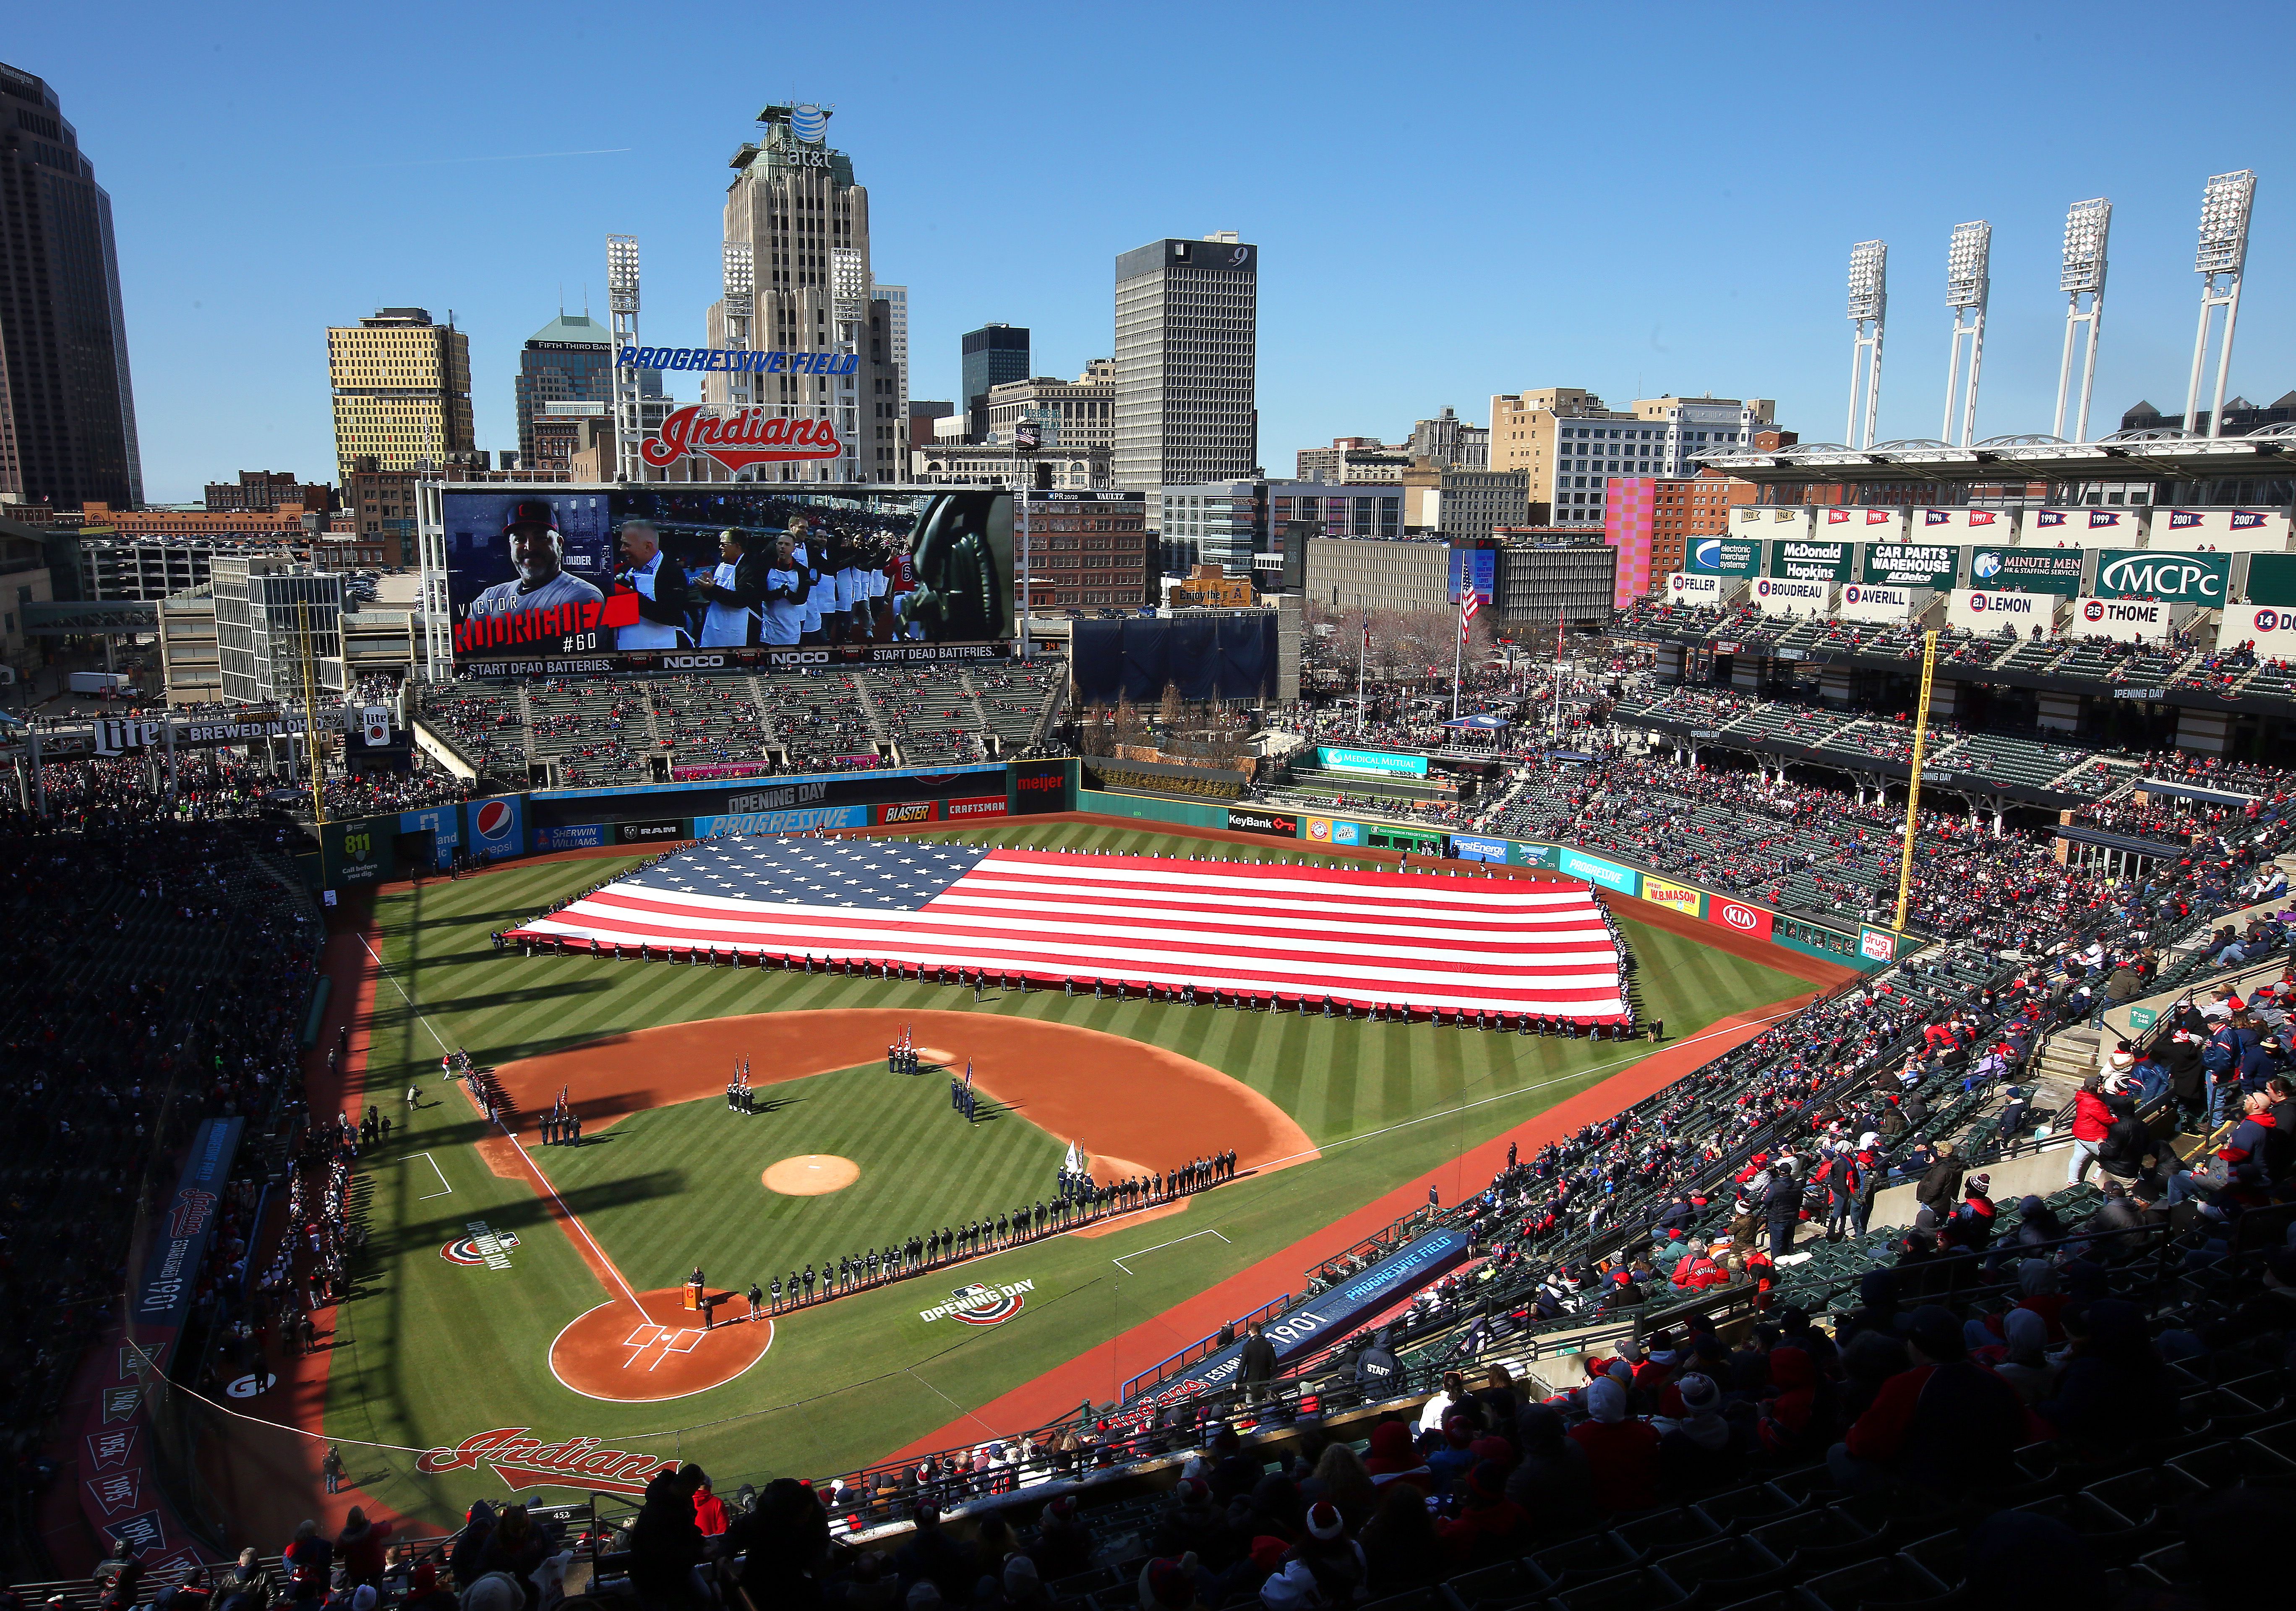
point(981, 1303)
point(482, 1246)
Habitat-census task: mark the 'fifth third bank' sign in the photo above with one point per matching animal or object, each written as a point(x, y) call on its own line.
point(2172, 578)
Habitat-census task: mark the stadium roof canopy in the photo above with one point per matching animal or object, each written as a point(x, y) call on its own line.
point(2158, 452)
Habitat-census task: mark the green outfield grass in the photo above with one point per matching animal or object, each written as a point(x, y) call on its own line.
point(431, 1353)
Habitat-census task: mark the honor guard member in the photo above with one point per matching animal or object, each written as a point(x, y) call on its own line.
point(757, 1299)
point(777, 1294)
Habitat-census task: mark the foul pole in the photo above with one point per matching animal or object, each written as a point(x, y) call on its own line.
point(1914, 784)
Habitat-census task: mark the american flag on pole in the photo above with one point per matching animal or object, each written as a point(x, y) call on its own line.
point(1360, 936)
point(1468, 605)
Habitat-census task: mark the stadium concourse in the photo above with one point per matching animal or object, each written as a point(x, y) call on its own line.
point(1659, 1377)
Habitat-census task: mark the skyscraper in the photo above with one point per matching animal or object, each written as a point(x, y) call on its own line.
point(569, 360)
point(402, 391)
point(992, 354)
point(896, 298)
point(67, 406)
point(799, 227)
point(1187, 332)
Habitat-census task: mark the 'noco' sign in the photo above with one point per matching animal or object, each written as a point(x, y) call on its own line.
point(2176, 578)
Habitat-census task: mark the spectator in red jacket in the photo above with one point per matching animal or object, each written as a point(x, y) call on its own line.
point(1621, 1451)
point(2091, 1119)
point(1393, 1459)
point(1489, 1524)
point(709, 1511)
point(359, 1546)
point(1933, 1425)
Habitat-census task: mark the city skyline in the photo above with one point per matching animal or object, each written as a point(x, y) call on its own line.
point(1706, 254)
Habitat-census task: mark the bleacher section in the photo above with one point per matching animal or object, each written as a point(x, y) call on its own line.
point(598, 733)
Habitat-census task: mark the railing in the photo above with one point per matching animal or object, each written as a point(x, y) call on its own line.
point(1202, 1349)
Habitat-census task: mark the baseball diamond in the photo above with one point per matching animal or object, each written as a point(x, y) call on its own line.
point(590, 1330)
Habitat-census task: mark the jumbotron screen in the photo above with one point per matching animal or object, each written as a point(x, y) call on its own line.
point(563, 580)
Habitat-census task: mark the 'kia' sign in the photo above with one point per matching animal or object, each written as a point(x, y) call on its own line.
point(1739, 918)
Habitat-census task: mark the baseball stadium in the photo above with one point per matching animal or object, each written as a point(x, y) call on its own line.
point(904, 1116)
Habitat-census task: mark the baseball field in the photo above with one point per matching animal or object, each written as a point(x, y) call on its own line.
point(508, 1285)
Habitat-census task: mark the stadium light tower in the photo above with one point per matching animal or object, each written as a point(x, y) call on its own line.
point(2086, 226)
point(622, 307)
point(2225, 206)
point(848, 291)
point(1869, 301)
point(1968, 283)
point(740, 302)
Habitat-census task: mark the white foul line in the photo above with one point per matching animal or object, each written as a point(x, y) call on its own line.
point(1175, 1242)
point(444, 1189)
point(382, 969)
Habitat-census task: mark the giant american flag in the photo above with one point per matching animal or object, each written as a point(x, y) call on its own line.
point(1502, 945)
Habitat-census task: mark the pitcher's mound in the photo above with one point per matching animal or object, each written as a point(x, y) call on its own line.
point(811, 1174)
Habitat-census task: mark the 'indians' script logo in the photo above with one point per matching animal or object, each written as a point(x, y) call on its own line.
point(738, 440)
point(527, 1463)
point(188, 1212)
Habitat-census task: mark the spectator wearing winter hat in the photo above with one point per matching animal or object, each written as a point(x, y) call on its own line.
point(1622, 1452)
point(1697, 1447)
point(1393, 1459)
point(1552, 1480)
point(1971, 1226)
point(1931, 1425)
point(1335, 1559)
point(1168, 1584)
point(2025, 1364)
point(1450, 1462)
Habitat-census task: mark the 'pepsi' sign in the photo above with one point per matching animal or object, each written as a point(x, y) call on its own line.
point(498, 827)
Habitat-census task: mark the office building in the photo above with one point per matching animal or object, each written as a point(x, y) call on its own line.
point(67, 403)
point(402, 391)
point(382, 504)
point(1086, 550)
point(1695, 426)
point(1067, 413)
point(1337, 510)
point(1352, 459)
point(1219, 522)
point(958, 463)
point(992, 355)
point(263, 491)
point(1187, 324)
point(1449, 443)
point(565, 437)
point(896, 298)
point(24, 580)
point(794, 215)
point(923, 413)
point(286, 523)
point(569, 360)
point(1464, 504)
point(1529, 433)
point(272, 615)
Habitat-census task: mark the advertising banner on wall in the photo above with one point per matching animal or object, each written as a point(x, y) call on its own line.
point(1687, 587)
point(2123, 620)
point(907, 813)
point(1739, 918)
point(1730, 556)
point(359, 851)
point(1469, 847)
point(574, 835)
point(2271, 579)
point(1780, 596)
point(2270, 627)
point(1330, 758)
point(2056, 571)
point(1039, 787)
point(1330, 830)
point(497, 826)
point(1277, 824)
point(1476, 568)
point(1960, 525)
point(802, 819)
point(656, 830)
point(174, 1267)
point(1805, 561)
point(605, 574)
point(1876, 944)
point(975, 809)
point(1610, 875)
point(1863, 602)
point(2237, 529)
point(1520, 855)
point(2083, 528)
point(1985, 612)
point(1867, 525)
point(444, 823)
point(1933, 565)
point(1680, 897)
point(2154, 573)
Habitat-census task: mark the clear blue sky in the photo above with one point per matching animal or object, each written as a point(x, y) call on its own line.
point(1450, 202)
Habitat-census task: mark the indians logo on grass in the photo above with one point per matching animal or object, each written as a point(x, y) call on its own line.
point(527, 1463)
point(490, 1249)
point(981, 1303)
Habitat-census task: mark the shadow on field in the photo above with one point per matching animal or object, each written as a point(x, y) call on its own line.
point(523, 1214)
